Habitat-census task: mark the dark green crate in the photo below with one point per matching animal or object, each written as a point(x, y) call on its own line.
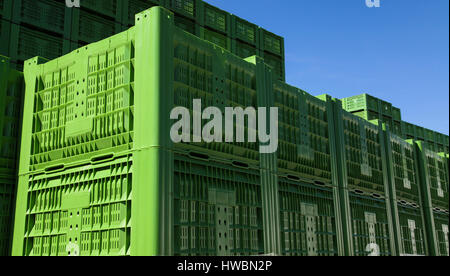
point(402, 165)
point(412, 230)
point(309, 219)
point(48, 15)
point(243, 50)
point(89, 28)
point(396, 114)
point(277, 63)
point(109, 8)
point(216, 19)
point(187, 25)
point(11, 93)
point(271, 43)
point(187, 8)
point(305, 135)
point(370, 225)
point(26, 43)
point(441, 221)
point(216, 38)
point(361, 144)
point(5, 29)
point(436, 168)
point(245, 31)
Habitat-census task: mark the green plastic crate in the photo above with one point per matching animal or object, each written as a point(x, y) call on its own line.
point(89, 28)
point(187, 25)
point(360, 103)
point(86, 124)
point(370, 223)
point(216, 38)
point(47, 15)
point(277, 63)
point(271, 43)
point(441, 221)
point(396, 114)
point(401, 161)
point(306, 134)
point(245, 31)
point(187, 8)
point(109, 8)
point(309, 219)
point(243, 50)
point(25, 43)
point(407, 201)
point(216, 19)
point(361, 148)
point(11, 95)
point(434, 169)
point(412, 230)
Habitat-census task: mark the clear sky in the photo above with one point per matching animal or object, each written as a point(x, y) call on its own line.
point(398, 52)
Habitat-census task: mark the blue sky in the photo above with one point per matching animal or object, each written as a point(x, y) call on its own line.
point(398, 52)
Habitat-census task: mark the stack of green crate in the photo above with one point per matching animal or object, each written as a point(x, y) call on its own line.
point(220, 27)
point(94, 179)
point(308, 193)
point(371, 108)
point(367, 220)
point(434, 174)
point(436, 141)
point(49, 29)
point(11, 89)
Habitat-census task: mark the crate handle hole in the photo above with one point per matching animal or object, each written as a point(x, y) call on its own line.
point(240, 164)
point(102, 158)
point(293, 177)
point(197, 155)
point(319, 183)
point(54, 168)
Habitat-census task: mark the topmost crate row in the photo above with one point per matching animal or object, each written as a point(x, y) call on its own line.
point(45, 23)
point(371, 108)
point(54, 16)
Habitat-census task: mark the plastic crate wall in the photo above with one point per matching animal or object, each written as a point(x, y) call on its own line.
point(11, 93)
